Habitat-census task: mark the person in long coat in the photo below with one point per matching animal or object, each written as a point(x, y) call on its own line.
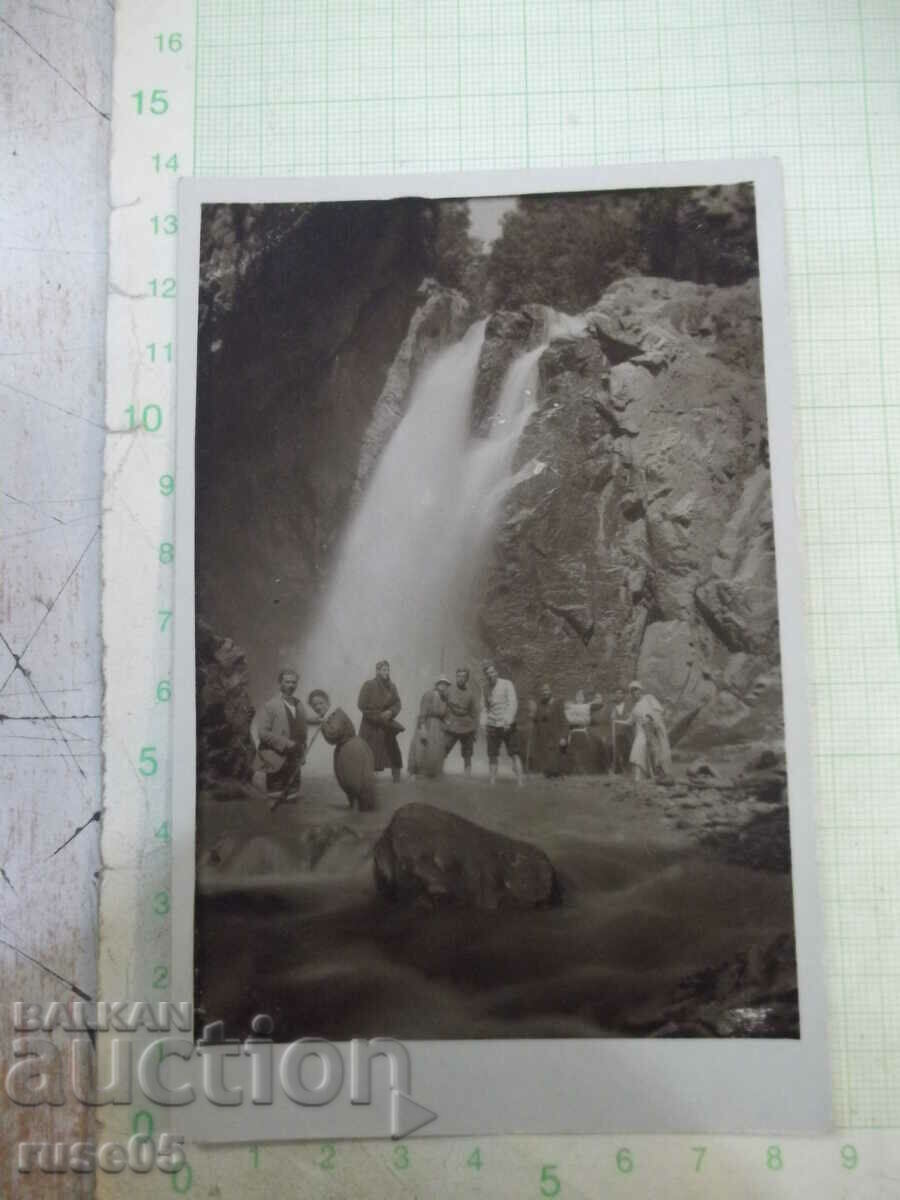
point(650, 756)
point(551, 734)
point(598, 752)
point(621, 733)
point(379, 703)
point(526, 734)
point(429, 744)
point(354, 762)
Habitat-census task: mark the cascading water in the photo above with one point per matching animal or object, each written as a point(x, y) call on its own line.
point(485, 470)
point(403, 582)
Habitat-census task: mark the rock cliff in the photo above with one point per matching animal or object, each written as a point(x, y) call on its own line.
point(637, 540)
point(224, 710)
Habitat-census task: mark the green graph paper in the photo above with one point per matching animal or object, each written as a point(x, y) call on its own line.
point(315, 87)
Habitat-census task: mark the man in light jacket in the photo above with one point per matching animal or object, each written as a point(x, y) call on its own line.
point(282, 738)
point(500, 708)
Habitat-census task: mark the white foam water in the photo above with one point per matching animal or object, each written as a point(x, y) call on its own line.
point(403, 582)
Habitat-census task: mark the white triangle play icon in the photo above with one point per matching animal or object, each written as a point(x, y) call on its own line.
point(406, 1115)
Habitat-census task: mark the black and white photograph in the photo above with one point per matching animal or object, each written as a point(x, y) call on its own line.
point(490, 722)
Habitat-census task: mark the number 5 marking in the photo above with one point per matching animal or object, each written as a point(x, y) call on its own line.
point(550, 1185)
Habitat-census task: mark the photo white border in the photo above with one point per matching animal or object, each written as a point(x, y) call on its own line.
point(565, 1085)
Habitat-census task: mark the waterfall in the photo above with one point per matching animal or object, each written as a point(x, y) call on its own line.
point(402, 584)
point(486, 470)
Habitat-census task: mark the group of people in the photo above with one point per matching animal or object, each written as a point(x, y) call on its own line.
point(627, 735)
point(545, 742)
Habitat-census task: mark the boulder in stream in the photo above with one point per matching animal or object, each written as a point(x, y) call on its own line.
point(433, 858)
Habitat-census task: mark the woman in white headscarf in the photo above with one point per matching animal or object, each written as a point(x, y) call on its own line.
point(651, 755)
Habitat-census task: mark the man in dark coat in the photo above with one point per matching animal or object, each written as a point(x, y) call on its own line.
point(379, 703)
point(281, 728)
point(596, 736)
point(551, 734)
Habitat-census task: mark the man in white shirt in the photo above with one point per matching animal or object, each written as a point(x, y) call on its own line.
point(500, 708)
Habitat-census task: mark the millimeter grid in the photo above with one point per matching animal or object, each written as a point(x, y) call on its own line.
point(320, 87)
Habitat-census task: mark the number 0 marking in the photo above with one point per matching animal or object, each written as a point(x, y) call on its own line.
point(188, 1180)
point(849, 1157)
point(142, 1118)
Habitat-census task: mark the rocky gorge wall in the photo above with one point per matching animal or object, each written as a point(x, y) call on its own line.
point(637, 540)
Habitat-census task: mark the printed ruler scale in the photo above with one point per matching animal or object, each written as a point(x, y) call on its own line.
point(294, 87)
point(153, 98)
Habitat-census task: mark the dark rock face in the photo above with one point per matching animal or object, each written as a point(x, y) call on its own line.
point(433, 858)
point(224, 711)
point(302, 312)
point(753, 995)
point(638, 538)
point(506, 335)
